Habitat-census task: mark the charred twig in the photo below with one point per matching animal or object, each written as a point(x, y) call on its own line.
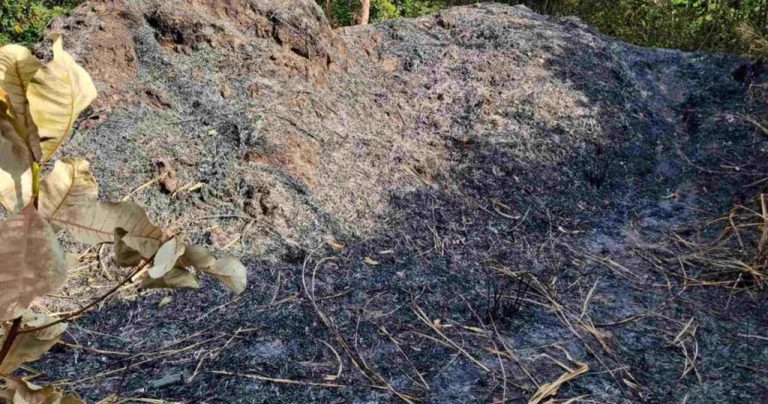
point(499, 306)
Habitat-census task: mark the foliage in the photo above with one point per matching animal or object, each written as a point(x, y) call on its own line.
point(711, 25)
point(39, 105)
point(735, 26)
point(341, 12)
point(23, 21)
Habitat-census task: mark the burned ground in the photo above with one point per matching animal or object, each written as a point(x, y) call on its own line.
point(456, 208)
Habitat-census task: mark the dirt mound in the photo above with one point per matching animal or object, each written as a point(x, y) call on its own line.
point(499, 181)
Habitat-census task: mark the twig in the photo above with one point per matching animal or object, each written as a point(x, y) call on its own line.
point(291, 381)
point(760, 337)
point(9, 339)
point(423, 317)
point(338, 360)
point(92, 304)
point(756, 123)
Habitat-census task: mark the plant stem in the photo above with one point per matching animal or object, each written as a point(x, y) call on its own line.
point(9, 339)
point(93, 303)
point(35, 183)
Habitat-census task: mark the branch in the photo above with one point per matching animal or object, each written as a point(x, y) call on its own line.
point(93, 303)
point(9, 339)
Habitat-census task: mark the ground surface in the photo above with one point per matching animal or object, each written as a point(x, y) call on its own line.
point(516, 196)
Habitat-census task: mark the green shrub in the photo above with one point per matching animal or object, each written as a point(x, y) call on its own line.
point(382, 10)
point(23, 21)
point(734, 26)
point(707, 25)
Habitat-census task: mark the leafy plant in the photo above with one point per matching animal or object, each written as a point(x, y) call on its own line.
point(705, 25)
point(23, 21)
point(39, 104)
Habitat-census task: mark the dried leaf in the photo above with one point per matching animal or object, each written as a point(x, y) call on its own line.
point(15, 169)
point(371, 261)
point(198, 257)
point(334, 244)
point(72, 261)
point(167, 256)
point(550, 389)
point(19, 391)
point(177, 278)
point(57, 93)
point(96, 222)
point(124, 256)
point(30, 347)
point(17, 67)
point(69, 184)
point(6, 112)
point(32, 263)
point(231, 272)
point(165, 301)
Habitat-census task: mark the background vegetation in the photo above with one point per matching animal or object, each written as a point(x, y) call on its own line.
point(23, 21)
point(735, 26)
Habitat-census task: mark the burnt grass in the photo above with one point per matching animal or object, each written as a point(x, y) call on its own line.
point(443, 254)
point(488, 289)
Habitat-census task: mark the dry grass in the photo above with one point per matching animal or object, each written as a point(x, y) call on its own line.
point(736, 258)
point(758, 43)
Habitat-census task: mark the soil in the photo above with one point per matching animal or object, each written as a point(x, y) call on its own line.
point(457, 208)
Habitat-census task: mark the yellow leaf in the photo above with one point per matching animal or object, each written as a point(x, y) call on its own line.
point(371, 261)
point(57, 93)
point(17, 66)
point(32, 263)
point(96, 222)
point(177, 278)
point(231, 272)
point(30, 347)
point(70, 183)
point(167, 256)
point(15, 169)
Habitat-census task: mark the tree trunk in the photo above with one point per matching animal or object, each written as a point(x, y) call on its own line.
point(365, 12)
